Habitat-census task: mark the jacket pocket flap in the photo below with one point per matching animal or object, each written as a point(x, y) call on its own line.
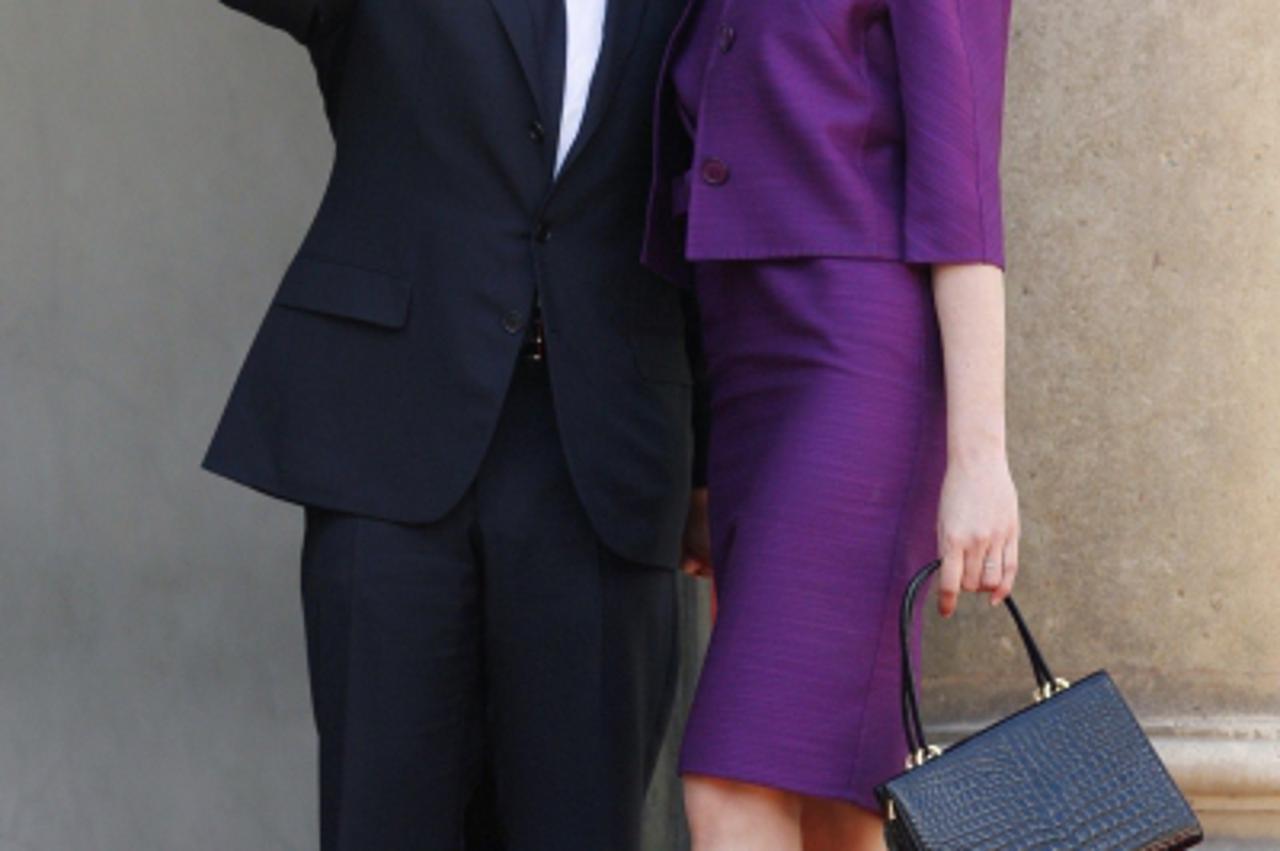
point(339, 289)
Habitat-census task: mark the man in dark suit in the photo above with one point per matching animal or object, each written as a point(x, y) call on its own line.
point(488, 408)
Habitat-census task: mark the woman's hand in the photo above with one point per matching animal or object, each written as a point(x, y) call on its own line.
point(977, 530)
point(696, 560)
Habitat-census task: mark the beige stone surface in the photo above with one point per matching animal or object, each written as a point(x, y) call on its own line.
point(1142, 183)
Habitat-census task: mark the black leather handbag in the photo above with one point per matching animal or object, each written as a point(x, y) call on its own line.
point(1073, 770)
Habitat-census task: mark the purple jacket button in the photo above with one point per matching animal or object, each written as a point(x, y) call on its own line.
point(715, 172)
point(727, 37)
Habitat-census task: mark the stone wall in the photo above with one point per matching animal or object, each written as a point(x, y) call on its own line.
point(1142, 183)
point(159, 162)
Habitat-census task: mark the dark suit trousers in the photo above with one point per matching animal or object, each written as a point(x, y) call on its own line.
point(503, 643)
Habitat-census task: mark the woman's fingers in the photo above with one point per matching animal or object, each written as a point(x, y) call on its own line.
point(982, 564)
point(696, 567)
point(992, 566)
point(1010, 571)
point(949, 580)
point(975, 552)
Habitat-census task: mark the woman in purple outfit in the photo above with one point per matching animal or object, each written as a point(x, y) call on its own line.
point(829, 168)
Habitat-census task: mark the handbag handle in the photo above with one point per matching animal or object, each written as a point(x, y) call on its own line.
point(918, 747)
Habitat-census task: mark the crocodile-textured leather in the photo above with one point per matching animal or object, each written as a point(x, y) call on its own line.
point(1074, 771)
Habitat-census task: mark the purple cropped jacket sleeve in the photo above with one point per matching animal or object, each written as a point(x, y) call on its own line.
point(951, 70)
point(858, 128)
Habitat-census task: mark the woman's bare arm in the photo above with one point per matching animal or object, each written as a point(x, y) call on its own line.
point(978, 515)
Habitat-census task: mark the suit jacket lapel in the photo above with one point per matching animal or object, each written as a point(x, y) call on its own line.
point(621, 29)
point(518, 23)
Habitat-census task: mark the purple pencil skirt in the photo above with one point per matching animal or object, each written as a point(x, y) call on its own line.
point(827, 453)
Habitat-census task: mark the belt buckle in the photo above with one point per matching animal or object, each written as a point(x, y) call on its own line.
point(535, 345)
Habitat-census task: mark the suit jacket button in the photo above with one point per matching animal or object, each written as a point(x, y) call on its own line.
point(728, 35)
point(537, 132)
point(542, 232)
point(715, 172)
point(513, 322)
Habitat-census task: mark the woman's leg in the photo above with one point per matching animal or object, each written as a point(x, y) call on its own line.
point(829, 825)
point(725, 815)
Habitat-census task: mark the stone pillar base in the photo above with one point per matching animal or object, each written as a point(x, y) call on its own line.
point(1228, 767)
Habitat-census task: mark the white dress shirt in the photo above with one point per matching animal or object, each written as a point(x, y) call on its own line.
point(584, 36)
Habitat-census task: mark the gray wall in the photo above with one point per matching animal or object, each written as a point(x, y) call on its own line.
point(159, 160)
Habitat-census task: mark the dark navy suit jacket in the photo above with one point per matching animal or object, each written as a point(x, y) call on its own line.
point(376, 378)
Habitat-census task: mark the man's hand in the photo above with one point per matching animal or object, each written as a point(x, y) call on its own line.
point(696, 560)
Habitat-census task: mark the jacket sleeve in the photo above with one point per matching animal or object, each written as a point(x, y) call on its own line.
point(951, 67)
point(305, 20)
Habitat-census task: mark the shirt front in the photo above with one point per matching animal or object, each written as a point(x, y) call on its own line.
point(584, 40)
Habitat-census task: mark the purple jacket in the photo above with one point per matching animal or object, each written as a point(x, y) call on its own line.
point(867, 128)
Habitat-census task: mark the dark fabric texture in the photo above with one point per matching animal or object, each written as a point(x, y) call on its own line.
point(496, 679)
point(550, 28)
point(374, 382)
